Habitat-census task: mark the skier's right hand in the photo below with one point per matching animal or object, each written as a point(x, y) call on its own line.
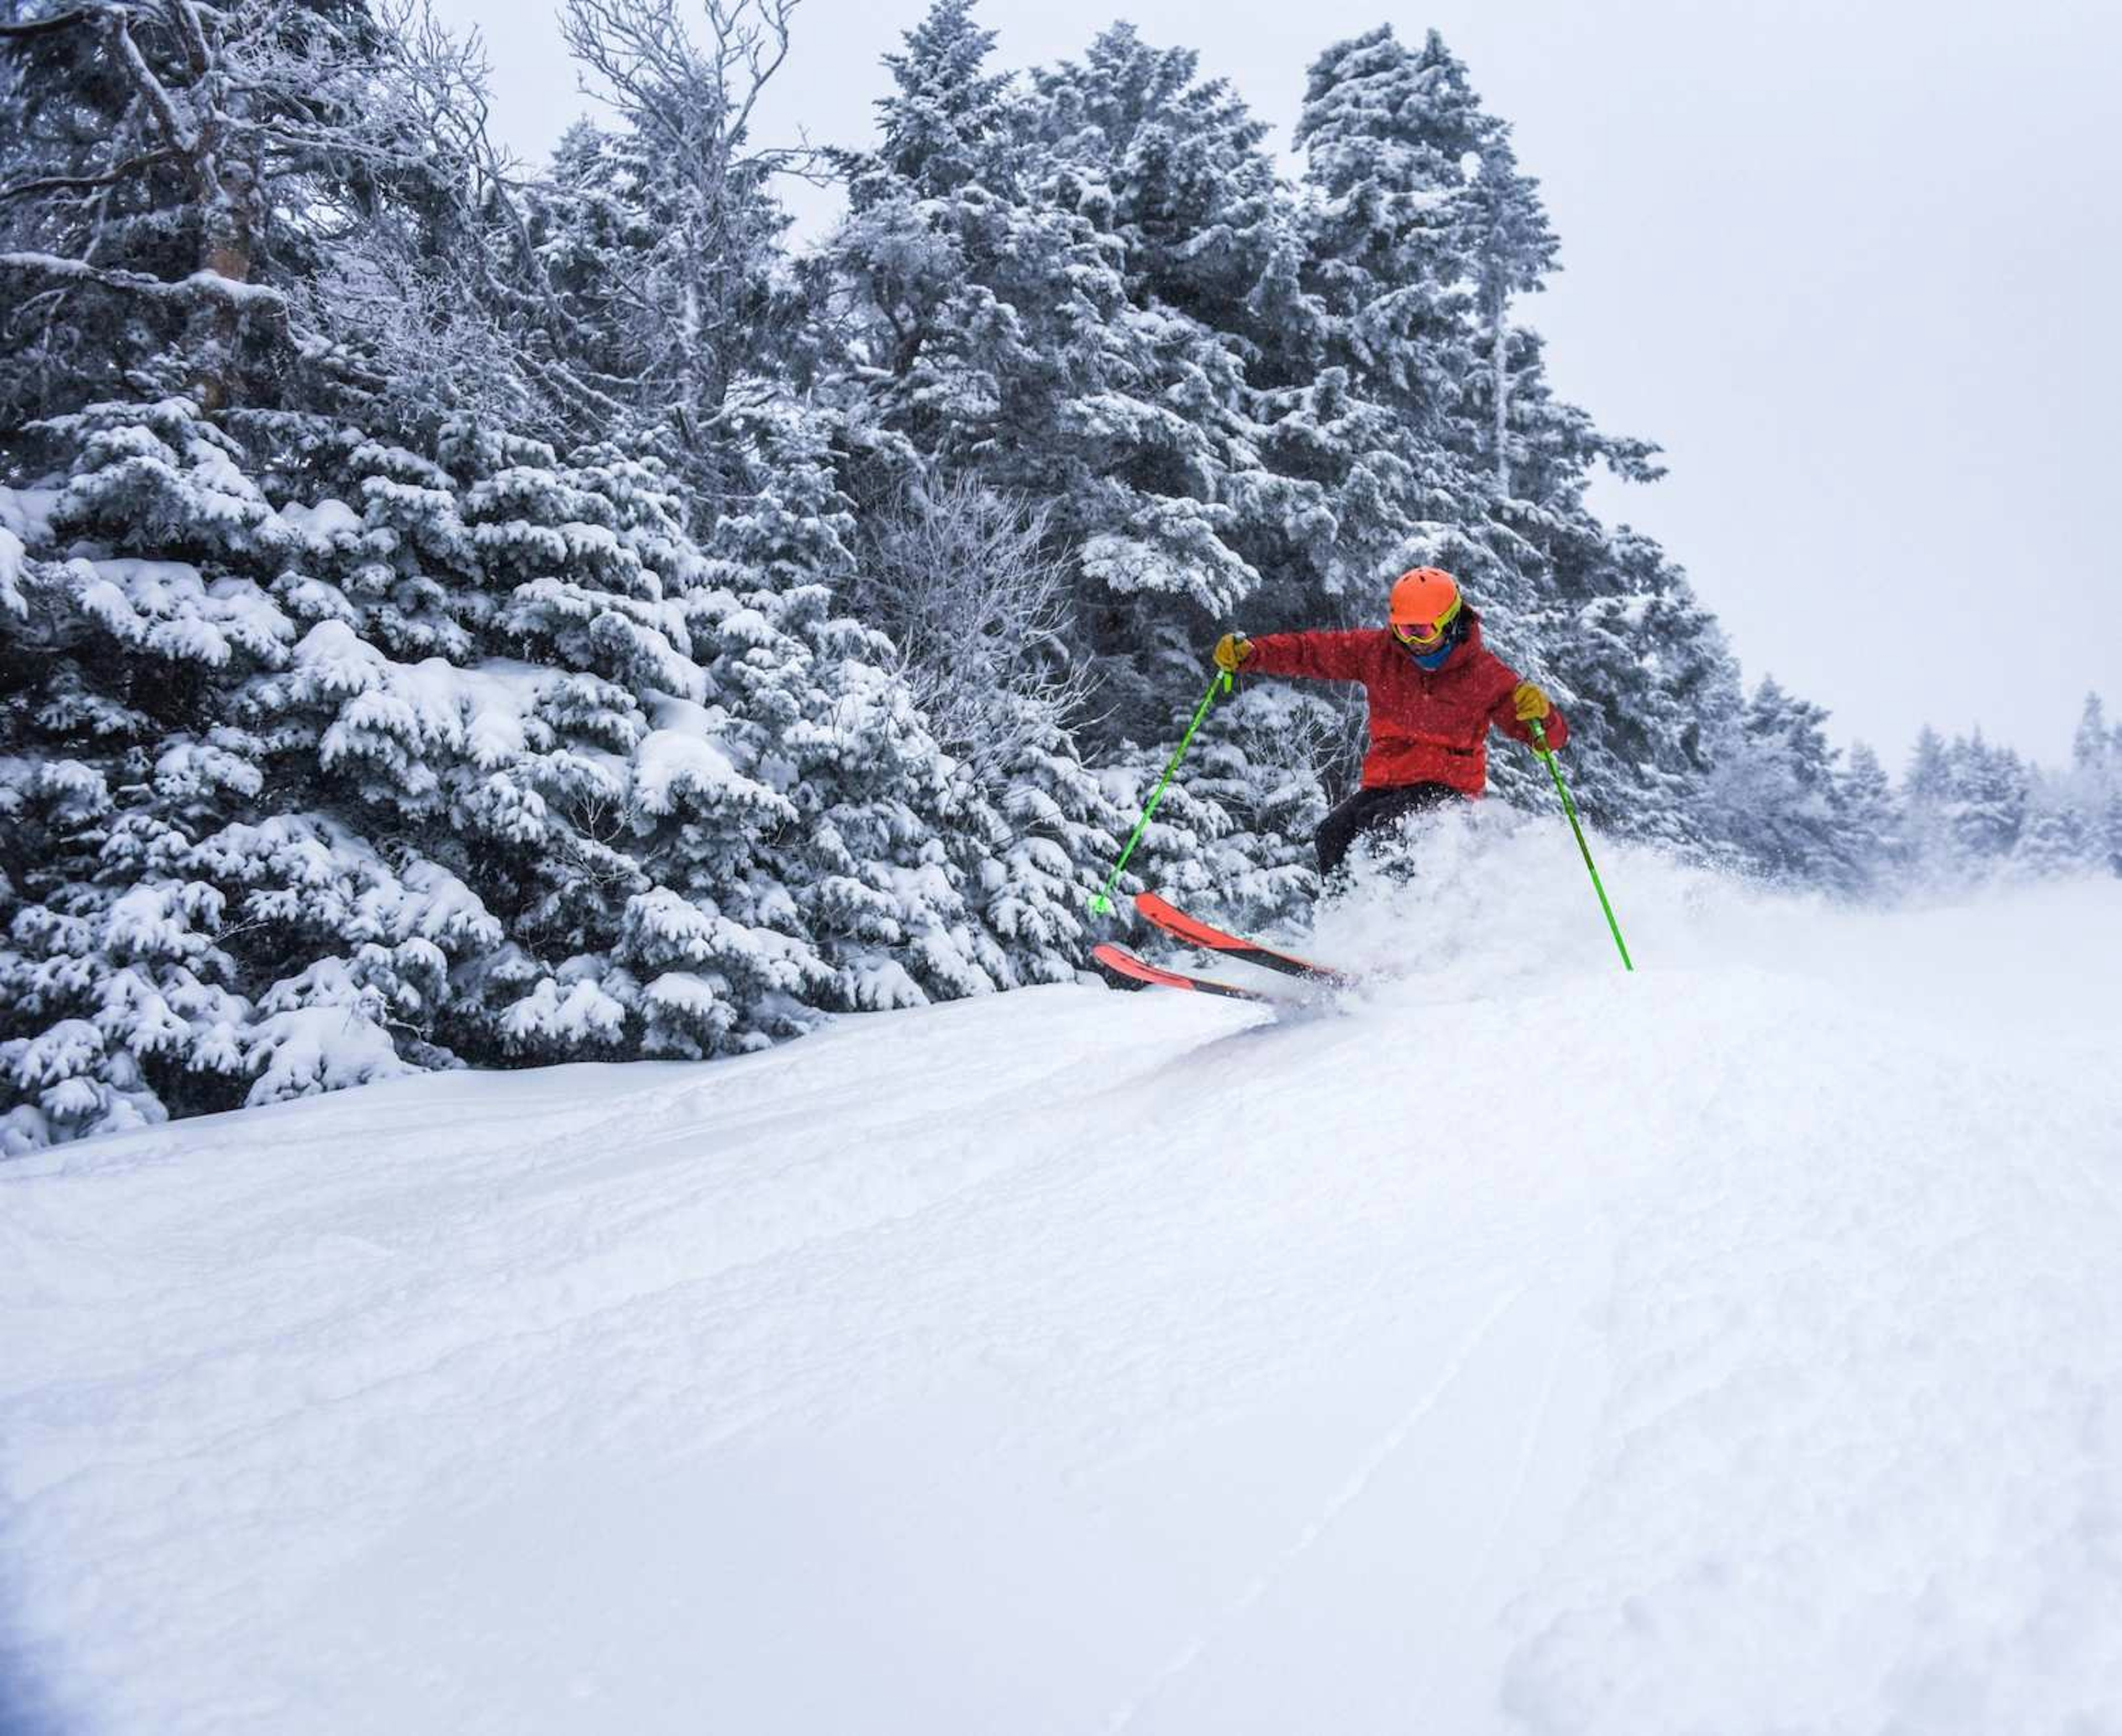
point(1232, 649)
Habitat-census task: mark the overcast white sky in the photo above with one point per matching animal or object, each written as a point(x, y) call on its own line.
point(1852, 262)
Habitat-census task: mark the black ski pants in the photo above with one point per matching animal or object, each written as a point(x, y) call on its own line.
point(1372, 810)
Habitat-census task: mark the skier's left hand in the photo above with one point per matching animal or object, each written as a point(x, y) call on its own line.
point(1530, 703)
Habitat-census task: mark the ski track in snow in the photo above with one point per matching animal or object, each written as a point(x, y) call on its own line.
point(1517, 1347)
point(1342, 1499)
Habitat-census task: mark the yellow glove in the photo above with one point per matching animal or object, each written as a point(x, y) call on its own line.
point(1232, 649)
point(1530, 702)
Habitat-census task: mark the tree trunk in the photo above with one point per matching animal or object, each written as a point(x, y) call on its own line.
point(1499, 367)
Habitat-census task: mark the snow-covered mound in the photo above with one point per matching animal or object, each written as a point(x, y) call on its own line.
point(1517, 1347)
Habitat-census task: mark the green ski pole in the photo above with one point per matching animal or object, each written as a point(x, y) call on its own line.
point(1569, 807)
point(1219, 682)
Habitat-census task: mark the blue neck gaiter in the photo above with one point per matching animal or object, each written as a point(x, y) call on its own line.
point(1436, 658)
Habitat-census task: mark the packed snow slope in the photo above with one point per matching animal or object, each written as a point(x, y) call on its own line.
point(1515, 1345)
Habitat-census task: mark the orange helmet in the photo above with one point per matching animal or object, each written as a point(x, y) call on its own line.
point(1424, 603)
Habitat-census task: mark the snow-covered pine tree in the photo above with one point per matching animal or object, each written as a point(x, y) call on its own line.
point(590, 223)
point(1987, 800)
point(2096, 762)
point(2066, 822)
point(1926, 802)
point(1059, 831)
point(116, 1003)
point(629, 787)
point(1778, 798)
point(2093, 749)
point(1006, 328)
point(1872, 823)
point(1652, 692)
point(161, 889)
point(1175, 172)
point(976, 303)
point(1386, 132)
point(2055, 838)
point(1929, 776)
point(867, 864)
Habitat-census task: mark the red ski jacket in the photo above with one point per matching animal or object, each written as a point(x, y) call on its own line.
point(1427, 726)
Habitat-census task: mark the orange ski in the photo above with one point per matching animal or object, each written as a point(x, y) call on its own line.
point(1118, 961)
point(1196, 933)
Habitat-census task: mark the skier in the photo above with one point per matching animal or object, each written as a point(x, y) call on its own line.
point(1433, 691)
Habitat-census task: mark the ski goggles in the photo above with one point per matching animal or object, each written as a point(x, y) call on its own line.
point(1426, 635)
